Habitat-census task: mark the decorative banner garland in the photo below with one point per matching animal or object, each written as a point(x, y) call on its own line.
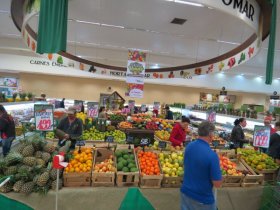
point(251, 48)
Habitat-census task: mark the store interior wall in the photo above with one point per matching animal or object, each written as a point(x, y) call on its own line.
point(90, 89)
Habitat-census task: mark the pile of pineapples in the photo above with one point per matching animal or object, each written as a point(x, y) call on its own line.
point(30, 166)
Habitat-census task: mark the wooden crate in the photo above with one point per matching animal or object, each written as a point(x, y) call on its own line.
point(102, 179)
point(128, 179)
point(82, 179)
point(232, 181)
point(172, 182)
point(270, 175)
point(150, 181)
point(253, 179)
point(228, 153)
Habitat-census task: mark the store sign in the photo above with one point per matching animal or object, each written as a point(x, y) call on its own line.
point(275, 97)
point(144, 142)
point(162, 144)
point(43, 114)
point(261, 136)
point(92, 109)
point(135, 74)
point(246, 10)
point(129, 140)
point(131, 105)
point(80, 143)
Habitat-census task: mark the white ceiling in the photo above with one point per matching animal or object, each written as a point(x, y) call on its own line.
point(147, 27)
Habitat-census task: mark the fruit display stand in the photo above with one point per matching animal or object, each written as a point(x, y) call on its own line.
point(74, 176)
point(153, 180)
point(126, 179)
point(252, 179)
point(103, 179)
point(174, 180)
point(261, 163)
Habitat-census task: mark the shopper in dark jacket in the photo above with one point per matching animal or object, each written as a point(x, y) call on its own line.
point(274, 144)
point(61, 105)
point(7, 129)
point(237, 134)
point(169, 114)
point(72, 126)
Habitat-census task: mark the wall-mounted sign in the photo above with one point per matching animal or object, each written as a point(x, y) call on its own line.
point(78, 104)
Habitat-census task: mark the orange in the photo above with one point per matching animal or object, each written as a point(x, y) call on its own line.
point(77, 170)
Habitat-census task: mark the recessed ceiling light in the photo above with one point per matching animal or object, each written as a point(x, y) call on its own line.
point(241, 74)
point(187, 3)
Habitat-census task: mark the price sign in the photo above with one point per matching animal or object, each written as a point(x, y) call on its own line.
point(144, 142)
point(215, 143)
point(162, 144)
point(80, 143)
point(43, 114)
point(78, 104)
point(109, 139)
point(261, 136)
point(130, 139)
point(92, 109)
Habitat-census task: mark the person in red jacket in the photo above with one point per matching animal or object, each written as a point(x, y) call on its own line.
point(179, 132)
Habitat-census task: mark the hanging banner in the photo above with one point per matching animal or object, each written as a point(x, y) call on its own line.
point(135, 74)
point(43, 114)
point(92, 109)
point(261, 136)
point(156, 106)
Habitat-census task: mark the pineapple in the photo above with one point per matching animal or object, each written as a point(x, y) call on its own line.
point(46, 156)
point(10, 170)
point(40, 162)
point(35, 179)
point(38, 154)
point(28, 151)
point(30, 161)
point(27, 188)
point(3, 164)
point(13, 158)
point(43, 179)
point(49, 147)
point(38, 143)
point(53, 173)
point(18, 185)
point(20, 148)
point(8, 187)
point(53, 187)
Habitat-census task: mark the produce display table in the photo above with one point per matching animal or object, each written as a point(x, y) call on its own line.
point(110, 198)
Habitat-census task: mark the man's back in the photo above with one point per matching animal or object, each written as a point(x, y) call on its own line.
point(201, 167)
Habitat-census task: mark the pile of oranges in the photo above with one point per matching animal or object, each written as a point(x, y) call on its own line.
point(148, 162)
point(81, 162)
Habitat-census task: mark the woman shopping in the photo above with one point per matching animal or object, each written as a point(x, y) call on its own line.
point(237, 133)
point(179, 132)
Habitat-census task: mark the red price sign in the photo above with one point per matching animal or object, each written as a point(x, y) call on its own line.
point(43, 114)
point(44, 124)
point(92, 112)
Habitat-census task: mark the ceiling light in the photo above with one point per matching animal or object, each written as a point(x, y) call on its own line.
point(260, 76)
point(187, 2)
point(241, 74)
point(114, 26)
point(278, 78)
point(226, 42)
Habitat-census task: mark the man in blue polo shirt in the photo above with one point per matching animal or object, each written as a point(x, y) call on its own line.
point(201, 172)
